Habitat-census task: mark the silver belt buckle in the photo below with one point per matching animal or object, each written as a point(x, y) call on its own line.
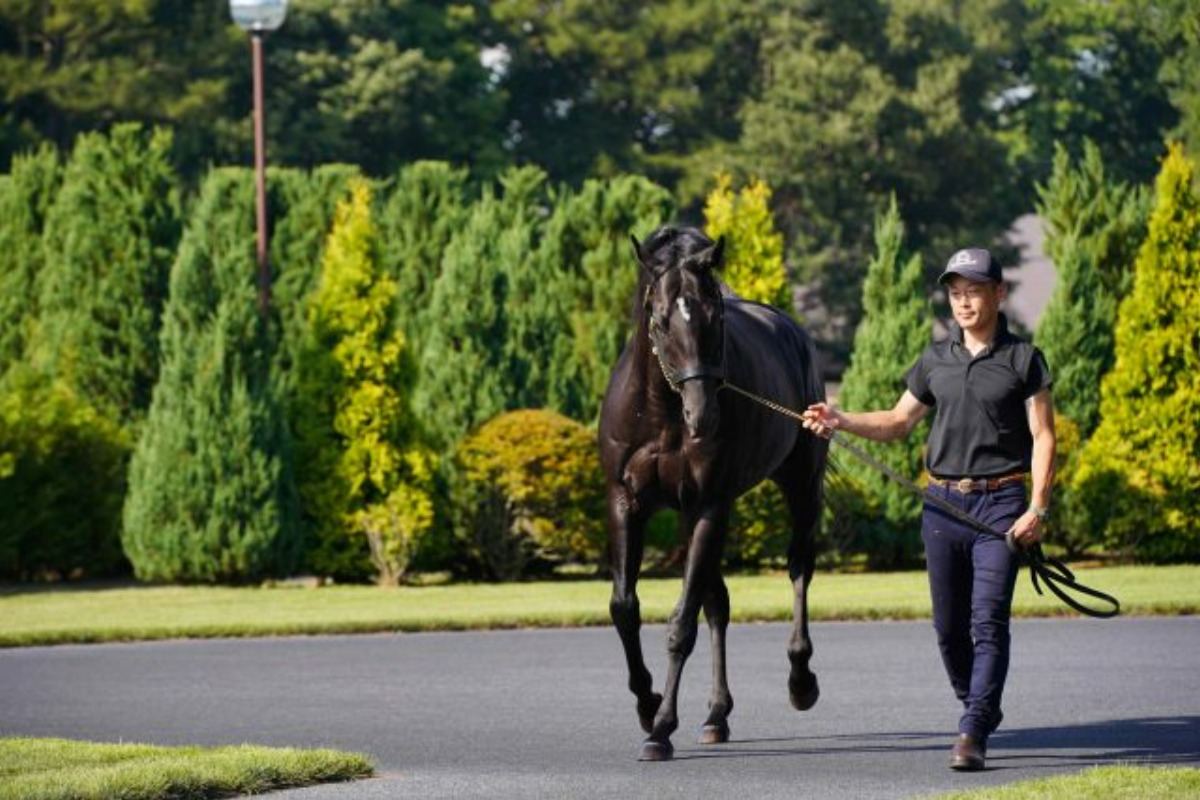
point(966, 485)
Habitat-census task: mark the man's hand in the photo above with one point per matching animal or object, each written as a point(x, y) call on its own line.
point(1027, 530)
point(822, 419)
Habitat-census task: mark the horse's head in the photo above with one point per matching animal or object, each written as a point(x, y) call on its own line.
point(683, 311)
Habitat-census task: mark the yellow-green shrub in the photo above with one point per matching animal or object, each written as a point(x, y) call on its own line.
point(753, 248)
point(538, 491)
point(364, 479)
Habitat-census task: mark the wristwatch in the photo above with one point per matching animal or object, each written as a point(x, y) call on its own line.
point(1043, 514)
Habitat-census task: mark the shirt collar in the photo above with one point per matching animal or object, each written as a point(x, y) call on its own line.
point(1002, 332)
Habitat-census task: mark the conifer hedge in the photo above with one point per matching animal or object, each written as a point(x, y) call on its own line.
point(211, 496)
point(1140, 476)
point(894, 330)
point(109, 239)
point(26, 194)
point(1094, 228)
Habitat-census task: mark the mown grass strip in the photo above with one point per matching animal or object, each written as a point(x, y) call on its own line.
point(48, 769)
point(69, 615)
point(1098, 783)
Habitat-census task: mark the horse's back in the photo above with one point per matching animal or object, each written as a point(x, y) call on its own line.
point(770, 354)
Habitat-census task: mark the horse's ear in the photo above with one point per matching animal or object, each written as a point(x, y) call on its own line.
point(716, 256)
point(711, 258)
point(641, 257)
point(637, 249)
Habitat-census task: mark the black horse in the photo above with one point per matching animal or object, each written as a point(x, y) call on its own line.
point(666, 439)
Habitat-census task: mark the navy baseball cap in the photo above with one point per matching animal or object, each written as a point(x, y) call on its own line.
point(974, 264)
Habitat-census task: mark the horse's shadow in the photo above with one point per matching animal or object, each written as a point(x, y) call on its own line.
point(1147, 740)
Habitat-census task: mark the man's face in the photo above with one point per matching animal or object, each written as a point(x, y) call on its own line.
point(975, 305)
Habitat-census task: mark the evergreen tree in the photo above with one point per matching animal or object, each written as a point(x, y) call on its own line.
point(211, 495)
point(25, 196)
point(467, 375)
point(1094, 228)
point(109, 239)
point(425, 208)
point(861, 101)
point(301, 206)
point(364, 482)
point(588, 276)
point(1139, 477)
point(754, 266)
point(894, 331)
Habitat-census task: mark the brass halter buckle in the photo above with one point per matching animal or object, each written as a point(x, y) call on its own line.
point(966, 485)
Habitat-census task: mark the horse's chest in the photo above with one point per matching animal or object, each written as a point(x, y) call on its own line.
point(672, 469)
point(669, 471)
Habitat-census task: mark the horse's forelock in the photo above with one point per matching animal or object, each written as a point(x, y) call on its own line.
point(669, 246)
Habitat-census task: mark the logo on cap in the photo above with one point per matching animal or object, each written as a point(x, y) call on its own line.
point(962, 258)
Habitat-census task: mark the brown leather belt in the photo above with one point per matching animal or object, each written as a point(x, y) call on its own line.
point(967, 485)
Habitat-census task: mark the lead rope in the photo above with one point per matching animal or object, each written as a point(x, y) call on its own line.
point(1042, 569)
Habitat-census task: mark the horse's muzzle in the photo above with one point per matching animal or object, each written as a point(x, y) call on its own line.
point(701, 412)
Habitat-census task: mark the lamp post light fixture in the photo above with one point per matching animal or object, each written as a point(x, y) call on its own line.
point(258, 17)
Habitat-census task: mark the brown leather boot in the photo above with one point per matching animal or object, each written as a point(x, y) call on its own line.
point(968, 753)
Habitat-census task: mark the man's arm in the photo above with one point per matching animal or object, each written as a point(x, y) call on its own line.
point(880, 426)
point(1028, 529)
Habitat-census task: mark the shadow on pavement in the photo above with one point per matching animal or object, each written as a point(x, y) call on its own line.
point(1148, 740)
point(1151, 740)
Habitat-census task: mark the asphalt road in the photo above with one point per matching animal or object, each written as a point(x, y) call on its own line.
point(523, 714)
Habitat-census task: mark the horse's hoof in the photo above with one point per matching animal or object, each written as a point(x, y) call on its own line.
point(714, 734)
point(806, 697)
point(656, 751)
point(648, 711)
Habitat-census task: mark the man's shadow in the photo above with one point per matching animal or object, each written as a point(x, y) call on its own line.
point(1147, 740)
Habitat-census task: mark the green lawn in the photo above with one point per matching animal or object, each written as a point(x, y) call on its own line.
point(42, 769)
point(1098, 783)
point(63, 615)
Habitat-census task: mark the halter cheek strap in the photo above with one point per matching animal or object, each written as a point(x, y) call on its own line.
point(677, 377)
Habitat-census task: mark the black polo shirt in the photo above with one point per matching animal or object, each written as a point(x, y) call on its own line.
point(980, 426)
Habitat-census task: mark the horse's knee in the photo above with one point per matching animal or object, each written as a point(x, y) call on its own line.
point(625, 610)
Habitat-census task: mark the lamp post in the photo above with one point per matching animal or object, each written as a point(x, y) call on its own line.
point(258, 17)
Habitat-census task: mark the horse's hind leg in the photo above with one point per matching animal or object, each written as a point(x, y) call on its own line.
point(716, 611)
point(627, 545)
point(802, 490)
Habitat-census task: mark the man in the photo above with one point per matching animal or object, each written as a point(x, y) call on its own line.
point(993, 425)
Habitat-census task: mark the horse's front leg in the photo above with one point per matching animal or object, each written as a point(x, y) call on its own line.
point(626, 528)
point(703, 561)
point(720, 704)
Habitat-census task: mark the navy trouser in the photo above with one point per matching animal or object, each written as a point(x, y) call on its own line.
point(971, 580)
